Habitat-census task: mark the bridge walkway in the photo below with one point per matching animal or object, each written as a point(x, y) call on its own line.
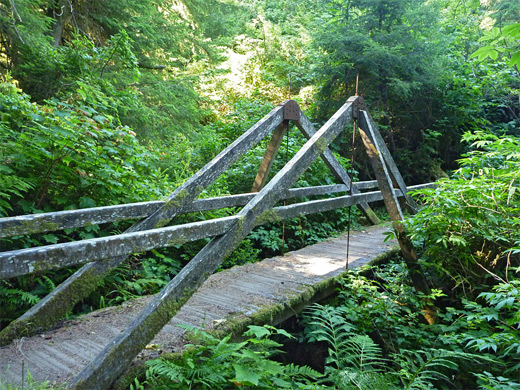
point(268, 291)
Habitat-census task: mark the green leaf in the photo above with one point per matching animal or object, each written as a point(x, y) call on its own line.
point(493, 54)
point(512, 30)
point(257, 331)
point(50, 238)
point(243, 374)
point(86, 202)
point(515, 59)
point(99, 118)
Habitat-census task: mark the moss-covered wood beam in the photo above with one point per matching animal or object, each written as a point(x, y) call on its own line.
point(269, 156)
point(25, 261)
point(397, 179)
point(392, 204)
point(47, 222)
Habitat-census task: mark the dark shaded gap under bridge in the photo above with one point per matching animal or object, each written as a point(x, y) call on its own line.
point(269, 291)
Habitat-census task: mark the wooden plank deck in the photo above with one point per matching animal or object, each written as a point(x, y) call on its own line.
point(238, 293)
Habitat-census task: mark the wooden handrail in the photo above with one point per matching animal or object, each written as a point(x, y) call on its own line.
point(25, 261)
point(47, 222)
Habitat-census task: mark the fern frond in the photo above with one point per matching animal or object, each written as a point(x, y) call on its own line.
point(16, 296)
point(350, 379)
point(422, 368)
point(329, 325)
point(365, 355)
point(294, 371)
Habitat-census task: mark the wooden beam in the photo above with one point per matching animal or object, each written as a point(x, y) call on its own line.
point(46, 222)
point(25, 261)
point(376, 138)
point(41, 223)
point(114, 359)
point(307, 128)
point(380, 170)
point(269, 157)
point(392, 206)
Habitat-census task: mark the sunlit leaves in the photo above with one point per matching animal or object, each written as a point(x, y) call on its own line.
point(506, 40)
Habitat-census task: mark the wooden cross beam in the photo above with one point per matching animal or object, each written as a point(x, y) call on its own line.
point(294, 113)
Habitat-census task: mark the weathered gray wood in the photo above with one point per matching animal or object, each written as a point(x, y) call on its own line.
point(25, 261)
point(269, 157)
point(41, 223)
point(112, 361)
point(83, 282)
point(322, 205)
point(377, 140)
point(393, 208)
point(366, 185)
point(307, 128)
point(379, 167)
point(38, 316)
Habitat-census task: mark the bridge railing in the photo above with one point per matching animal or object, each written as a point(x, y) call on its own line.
point(43, 258)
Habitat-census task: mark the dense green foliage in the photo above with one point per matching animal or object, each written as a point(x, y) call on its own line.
point(222, 364)
point(109, 102)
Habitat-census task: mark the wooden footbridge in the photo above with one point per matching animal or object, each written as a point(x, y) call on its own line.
point(93, 356)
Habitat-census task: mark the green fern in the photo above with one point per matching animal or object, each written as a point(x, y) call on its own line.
point(11, 185)
point(212, 363)
point(349, 379)
point(420, 369)
point(354, 361)
point(328, 324)
point(14, 301)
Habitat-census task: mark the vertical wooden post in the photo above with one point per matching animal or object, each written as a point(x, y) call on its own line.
point(269, 156)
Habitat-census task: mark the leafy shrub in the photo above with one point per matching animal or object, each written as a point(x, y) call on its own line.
point(220, 364)
point(376, 337)
point(65, 156)
point(469, 224)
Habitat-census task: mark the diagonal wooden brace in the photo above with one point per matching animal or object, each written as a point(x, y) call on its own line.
point(307, 128)
point(392, 206)
point(269, 156)
point(397, 180)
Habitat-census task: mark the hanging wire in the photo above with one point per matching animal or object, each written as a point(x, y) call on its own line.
point(351, 171)
point(286, 161)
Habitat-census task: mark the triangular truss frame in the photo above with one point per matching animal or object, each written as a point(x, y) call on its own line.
point(112, 361)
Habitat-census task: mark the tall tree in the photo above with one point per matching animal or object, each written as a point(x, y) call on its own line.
point(391, 45)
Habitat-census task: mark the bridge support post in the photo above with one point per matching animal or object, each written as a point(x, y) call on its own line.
point(370, 139)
